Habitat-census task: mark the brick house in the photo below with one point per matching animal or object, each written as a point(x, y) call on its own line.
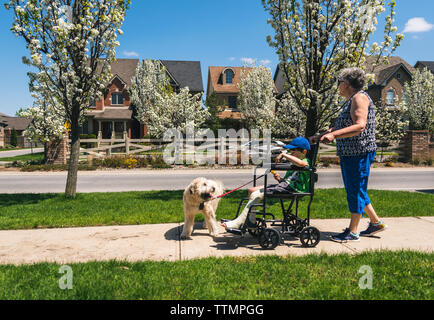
point(389, 80)
point(113, 115)
point(388, 87)
point(2, 135)
point(8, 124)
point(224, 82)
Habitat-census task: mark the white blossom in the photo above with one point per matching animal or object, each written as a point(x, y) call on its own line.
point(63, 48)
point(314, 40)
point(158, 106)
point(256, 97)
point(418, 100)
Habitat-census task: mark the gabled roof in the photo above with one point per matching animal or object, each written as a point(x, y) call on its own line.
point(124, 69)
point(15, 123)
point(219, 86)
point(185, 74)
point(425, 64)
point(384, 71)
point(385, 74)
point(217, 83)
point(182, 73)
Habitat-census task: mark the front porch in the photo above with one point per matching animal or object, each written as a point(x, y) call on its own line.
point(113, 129)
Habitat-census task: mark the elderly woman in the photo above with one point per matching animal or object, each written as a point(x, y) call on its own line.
point(354, 132)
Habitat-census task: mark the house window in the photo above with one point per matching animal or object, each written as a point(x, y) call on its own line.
point(390, 99)
point(404, 97)
point(232, 101)
point(398, 76)
point(229, 76)
point(117, 98)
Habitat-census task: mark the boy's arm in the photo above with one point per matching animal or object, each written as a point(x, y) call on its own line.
point(297, 161)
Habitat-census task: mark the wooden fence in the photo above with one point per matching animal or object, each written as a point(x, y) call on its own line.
point(105, 147)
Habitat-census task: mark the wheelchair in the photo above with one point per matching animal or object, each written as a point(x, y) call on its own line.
point(292, 223)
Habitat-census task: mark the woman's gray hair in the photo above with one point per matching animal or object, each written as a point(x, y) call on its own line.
point(355, 76)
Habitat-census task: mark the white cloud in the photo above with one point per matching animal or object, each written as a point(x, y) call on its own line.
point(417, 25)
point(231, 58)
point(248, 61)
point(265, 62)
point(130, 54)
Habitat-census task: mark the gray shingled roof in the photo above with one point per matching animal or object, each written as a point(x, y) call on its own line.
point(15, 123)
point(384, 71)
point(186, 73)
point(427, 64)
point(125, 69)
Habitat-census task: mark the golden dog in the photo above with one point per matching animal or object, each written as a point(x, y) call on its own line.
point(197, 198)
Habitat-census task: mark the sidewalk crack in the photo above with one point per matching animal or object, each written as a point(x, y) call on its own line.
point(351, 248)
point(424, 220)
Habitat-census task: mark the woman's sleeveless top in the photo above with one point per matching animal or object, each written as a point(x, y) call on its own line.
point(362, 143)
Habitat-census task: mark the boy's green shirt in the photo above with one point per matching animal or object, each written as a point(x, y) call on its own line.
point(298, 180)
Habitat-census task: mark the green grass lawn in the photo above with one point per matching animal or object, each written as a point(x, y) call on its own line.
point(26, 157)
point(396, 275)
point(26, 211)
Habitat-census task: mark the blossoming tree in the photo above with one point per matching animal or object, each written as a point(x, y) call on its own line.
point(314, 39)
point(161, 108)
point(289, 121)
point(418, 100)
point(391, 124)
point(256, 97)
point(46, 123)
point(71, 43)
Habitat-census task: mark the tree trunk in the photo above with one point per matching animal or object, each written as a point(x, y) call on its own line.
point(45, 152)
point(71, 181)
point(311, 122)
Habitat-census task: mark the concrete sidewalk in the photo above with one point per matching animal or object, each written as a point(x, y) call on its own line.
point(161, 242)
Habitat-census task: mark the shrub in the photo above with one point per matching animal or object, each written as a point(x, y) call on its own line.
point(327, 161)
point(131, 163)
point(389, 164)
point(159, 163)
point(428, 162)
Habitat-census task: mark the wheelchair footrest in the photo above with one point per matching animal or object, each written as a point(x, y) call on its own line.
point(238, 232)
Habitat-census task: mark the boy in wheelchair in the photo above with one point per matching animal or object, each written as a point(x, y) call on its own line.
point(293, 181)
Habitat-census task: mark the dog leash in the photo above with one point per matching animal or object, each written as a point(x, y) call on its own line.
point(227, 193)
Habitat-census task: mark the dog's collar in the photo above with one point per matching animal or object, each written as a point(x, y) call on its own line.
point(201, 206)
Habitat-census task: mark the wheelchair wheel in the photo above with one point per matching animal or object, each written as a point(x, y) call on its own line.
point(269, 239)
point(310, 237)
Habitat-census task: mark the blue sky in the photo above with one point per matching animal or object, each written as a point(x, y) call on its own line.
point(214, 32)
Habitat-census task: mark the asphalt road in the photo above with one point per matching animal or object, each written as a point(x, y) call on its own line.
point(143, 180)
